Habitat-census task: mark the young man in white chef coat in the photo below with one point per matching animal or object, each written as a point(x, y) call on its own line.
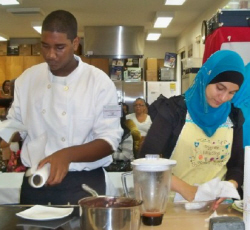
point(69, 102)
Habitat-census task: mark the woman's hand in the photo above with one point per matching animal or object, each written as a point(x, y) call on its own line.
point(220, 200)
point(217, 203)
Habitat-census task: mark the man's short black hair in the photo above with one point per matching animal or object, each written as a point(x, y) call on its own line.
point(61, 21)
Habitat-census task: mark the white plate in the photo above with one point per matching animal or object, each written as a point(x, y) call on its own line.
point(39, 212)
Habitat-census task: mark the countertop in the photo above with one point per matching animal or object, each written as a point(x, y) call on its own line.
point(174, 218)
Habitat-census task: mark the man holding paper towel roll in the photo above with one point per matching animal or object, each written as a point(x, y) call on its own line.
point(72, 108)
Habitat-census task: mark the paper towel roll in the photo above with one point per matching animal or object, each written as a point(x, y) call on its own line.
point(39, 178)
point(246, 189)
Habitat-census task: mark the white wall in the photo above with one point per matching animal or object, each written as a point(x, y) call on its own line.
point(157, 49)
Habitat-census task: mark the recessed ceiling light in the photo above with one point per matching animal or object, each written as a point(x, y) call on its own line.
point(163, 19)
point(174, 2)
point(10, 2)
point(3, 37)
point(38, 29)
point(153, 36)
point(37, 26)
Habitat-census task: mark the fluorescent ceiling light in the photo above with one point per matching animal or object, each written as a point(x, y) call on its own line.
point(153, 35)
point(174, 2)
point(163, 19)
point(38, 29)
point(37, 26)
point(25, 11)
point(3, 37)
point(10, 2)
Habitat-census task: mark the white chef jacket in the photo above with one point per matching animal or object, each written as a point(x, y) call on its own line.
point(69, 113)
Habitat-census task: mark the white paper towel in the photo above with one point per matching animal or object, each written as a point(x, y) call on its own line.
point(246, 189)
point(39, 178)
point(216, 188)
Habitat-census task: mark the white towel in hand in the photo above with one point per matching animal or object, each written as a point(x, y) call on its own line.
point(216, 188)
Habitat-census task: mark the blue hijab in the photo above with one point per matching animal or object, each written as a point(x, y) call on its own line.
point(203, 115)
point(242, 100)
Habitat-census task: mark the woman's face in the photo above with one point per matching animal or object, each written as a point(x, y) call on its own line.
point(139, 106)
point(219, 93)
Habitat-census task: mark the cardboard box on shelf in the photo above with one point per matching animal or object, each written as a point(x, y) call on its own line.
point(36, 49)
point(151, 75)
point(160, 63)
point(151, 64)
point(25, 50)
point(3, 48)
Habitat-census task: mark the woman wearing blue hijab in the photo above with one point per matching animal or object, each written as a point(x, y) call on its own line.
point(242, 100)
point(201, 129)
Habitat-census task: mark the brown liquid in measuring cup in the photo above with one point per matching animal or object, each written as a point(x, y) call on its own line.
point(152, 218)
point(152, 214)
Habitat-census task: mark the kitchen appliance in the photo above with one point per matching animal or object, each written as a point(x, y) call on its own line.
point(114, 41)
point(167, 74)
point(187, 78)
point(105, 212)
point(108, 212)
point(152, 178)
point(153, 89)
point(133, 74)
point(128, 92)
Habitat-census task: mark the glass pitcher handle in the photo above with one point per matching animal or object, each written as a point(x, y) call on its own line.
point(124, 182)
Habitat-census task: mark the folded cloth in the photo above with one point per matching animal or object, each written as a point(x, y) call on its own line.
point(216, 188)
point(9, 127)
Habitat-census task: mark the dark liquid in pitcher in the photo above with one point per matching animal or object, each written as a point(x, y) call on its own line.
point(152, 218)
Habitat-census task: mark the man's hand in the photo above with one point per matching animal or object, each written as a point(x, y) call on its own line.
point(59, 166)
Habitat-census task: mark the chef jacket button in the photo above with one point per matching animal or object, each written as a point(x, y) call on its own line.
point(63, 113)
point(63, 139)
point(49, 86)
point(43, 111)
point(65, 88)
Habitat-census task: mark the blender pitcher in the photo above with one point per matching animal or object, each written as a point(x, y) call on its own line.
point(152, 178)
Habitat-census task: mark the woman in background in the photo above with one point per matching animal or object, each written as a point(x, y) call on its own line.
point(5, 99)
point(5, 91)
point(140, 117)
point(139, 123)
point(202, 130)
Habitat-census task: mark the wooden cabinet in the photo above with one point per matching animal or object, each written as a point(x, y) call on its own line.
point(12, 66)
point(101, 63)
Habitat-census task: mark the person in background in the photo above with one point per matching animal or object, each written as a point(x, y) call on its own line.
point(125, 109)
point(5, 91)
point(66, 100)
point(139, 123)
point(201, 129)
point(140, 116)
point(5, 99)
point(242, 100)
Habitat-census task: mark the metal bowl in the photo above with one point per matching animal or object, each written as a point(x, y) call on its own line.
point(104, 212)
